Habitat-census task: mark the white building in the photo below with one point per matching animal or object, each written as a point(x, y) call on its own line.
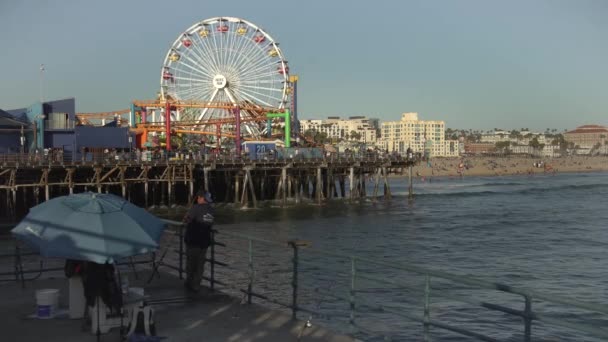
point(342, 129)
point(520, 143)
point(523, 138)
point(397, 136)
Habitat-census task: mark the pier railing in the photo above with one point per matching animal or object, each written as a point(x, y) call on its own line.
point(356, 271)
point(127, 158)
point(285, 273)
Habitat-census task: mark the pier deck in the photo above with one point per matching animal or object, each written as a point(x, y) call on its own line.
point(210, 316)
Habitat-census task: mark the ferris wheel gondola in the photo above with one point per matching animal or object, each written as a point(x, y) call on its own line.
point(229, 60)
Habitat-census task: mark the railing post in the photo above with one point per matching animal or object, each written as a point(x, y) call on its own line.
point(294, 281)
point(250, 286)
point(528, 319)
point(212, 269)
point(19, 266)
point(353, 274)
point(427, 310)
point(181, 251)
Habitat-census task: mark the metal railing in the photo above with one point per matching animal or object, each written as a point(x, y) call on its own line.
point(53, 158)
point(21, 252)
point(356, 272)
point(286, 287)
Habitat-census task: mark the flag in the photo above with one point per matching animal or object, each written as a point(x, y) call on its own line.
point(41, 67)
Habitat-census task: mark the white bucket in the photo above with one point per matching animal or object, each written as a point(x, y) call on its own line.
point(47, 301)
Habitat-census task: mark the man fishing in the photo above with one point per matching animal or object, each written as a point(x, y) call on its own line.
point(199, 223)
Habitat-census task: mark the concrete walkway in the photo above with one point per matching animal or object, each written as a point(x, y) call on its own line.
point(208, 316)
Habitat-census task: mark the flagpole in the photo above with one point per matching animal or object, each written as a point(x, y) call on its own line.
point(41, 79)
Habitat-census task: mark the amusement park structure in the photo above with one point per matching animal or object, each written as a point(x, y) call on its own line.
point(223, 77)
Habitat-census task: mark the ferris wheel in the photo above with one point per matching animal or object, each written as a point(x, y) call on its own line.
point(225, 60)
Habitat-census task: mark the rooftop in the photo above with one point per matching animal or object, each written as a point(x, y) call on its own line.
point(589, 129)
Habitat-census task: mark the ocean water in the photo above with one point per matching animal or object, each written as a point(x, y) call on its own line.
point(547, 233)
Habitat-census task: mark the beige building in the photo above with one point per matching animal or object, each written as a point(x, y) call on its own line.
point(587, 136)
point(342, 129)
point(397, 136)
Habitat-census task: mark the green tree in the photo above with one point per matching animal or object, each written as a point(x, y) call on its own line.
point(534, 143)
point(452, 134)
point(503, 146)
point(321, 138)
point(355, 135)
point(310, 133)
point(448, 133)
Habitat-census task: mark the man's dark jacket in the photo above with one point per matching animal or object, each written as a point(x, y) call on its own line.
point(199, 222)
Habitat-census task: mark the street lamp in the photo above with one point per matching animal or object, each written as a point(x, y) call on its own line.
point(36, 118)
point(22, 139)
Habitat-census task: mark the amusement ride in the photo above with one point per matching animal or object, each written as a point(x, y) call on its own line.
point(225, 78)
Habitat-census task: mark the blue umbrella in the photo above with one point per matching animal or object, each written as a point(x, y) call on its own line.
point(94, 227)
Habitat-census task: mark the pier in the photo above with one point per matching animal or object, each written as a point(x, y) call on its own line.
point(213, 315)
point(172, 179)
point(261, 289)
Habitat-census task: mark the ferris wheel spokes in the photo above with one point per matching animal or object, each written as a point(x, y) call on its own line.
point(225, 60)
point(207, 54)
point(231, 97)
point(253, 99)
point(205, 110)
point(205, 68)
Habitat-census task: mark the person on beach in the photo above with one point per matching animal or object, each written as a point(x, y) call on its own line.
point(198, 238)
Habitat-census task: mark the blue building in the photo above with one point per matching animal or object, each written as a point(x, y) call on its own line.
point(52, 125)
point(12, 133)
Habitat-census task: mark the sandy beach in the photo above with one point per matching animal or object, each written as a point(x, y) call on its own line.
point(500, 166)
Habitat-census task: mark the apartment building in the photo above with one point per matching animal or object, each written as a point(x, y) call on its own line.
point(422, 136)
point(337, 128)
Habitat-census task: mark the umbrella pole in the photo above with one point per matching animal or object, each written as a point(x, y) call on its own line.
point(98, 328)
point(122, 301)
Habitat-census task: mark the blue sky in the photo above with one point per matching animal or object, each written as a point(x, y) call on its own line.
point(474, 63)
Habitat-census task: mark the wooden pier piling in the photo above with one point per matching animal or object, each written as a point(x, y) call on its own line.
point(243, 182)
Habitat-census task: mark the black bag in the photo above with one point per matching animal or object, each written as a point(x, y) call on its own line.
point(99, 281)
point(73, 268)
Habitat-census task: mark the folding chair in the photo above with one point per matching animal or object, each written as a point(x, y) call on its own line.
point(156, 265)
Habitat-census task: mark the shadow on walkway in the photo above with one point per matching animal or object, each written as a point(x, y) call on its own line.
point(208, 316)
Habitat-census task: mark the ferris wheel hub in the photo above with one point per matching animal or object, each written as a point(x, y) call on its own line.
point(220, 82)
